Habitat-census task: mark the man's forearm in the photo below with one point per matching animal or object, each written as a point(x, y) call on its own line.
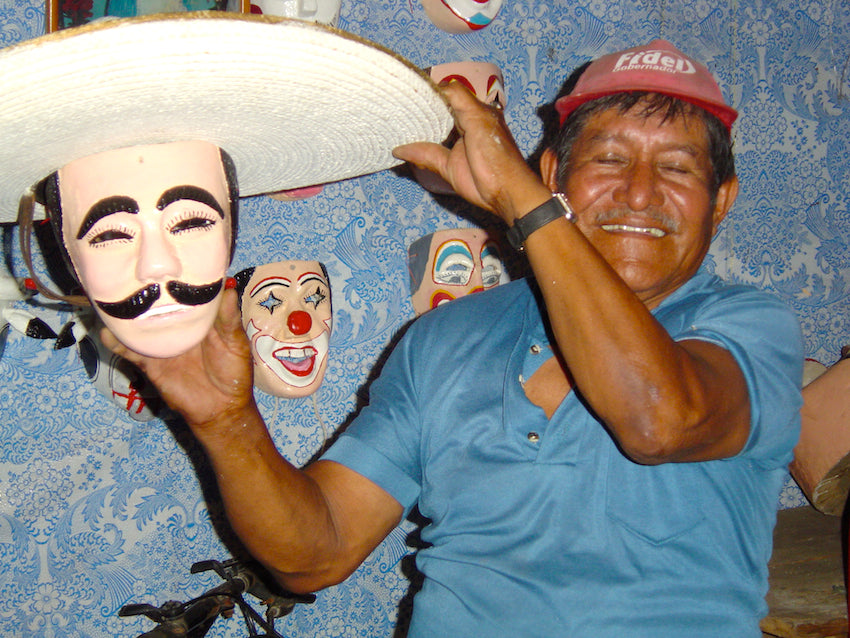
point(277, 510)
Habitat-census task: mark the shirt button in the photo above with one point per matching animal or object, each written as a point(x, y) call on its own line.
point(535, 349)
point(533, 437)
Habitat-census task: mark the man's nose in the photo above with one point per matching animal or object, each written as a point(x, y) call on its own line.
point(639, 187)
point(299, 322)
point(158, 257)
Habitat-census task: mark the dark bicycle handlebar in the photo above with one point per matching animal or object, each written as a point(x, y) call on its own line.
point(194, 618)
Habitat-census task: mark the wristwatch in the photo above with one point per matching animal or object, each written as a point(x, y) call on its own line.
point(548, 211)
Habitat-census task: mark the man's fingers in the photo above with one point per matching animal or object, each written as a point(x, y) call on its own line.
point(427, 155)
point(228, 322)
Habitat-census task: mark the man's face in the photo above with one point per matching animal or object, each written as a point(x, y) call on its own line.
point(641, 191)
point(461, 261)
point(148, 232)
point(286, 312)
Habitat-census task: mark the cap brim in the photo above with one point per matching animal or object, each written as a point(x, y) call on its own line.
point(294, 103)
point(569, 103)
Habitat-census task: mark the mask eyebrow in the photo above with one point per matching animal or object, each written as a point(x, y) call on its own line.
point(307, 277)
point(194, 193)
point(269, 281)
point(105, 207)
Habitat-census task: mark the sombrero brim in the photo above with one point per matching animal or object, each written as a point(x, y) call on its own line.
point(294, 103)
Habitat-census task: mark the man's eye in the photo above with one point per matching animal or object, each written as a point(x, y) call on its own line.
point(192, 223)
point(109, 235)
point(674, 168)
point(610, 161)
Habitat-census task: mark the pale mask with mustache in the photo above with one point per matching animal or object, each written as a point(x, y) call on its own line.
point(148, 231)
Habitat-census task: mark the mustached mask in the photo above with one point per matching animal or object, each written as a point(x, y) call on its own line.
point(148, 231)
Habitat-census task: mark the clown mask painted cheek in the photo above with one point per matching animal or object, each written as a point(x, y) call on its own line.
point(451, 263)
point(148, 232)
point(286, 312)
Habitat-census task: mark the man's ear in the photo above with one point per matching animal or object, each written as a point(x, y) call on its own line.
point(726, 196)
point(549, 170)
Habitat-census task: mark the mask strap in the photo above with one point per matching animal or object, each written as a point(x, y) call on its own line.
point(26, 209)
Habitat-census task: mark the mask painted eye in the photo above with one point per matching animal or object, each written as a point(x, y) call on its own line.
point(453, 264)
point(491, 274)
point(112, 234)
point(192, 222)
point(492, 268)
point(270, 303)
point(316, 298)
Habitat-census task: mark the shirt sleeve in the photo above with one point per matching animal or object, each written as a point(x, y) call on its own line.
point(765, 338)
point(382, 443)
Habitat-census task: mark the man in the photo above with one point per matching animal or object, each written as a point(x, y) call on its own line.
point(600, 452)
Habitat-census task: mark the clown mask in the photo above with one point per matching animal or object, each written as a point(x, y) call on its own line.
point(452, 263)
point(286, 312)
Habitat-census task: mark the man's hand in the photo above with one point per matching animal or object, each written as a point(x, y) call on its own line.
point(484, 166)
point(212, 379)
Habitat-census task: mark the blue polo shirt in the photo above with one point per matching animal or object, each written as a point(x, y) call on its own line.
point(541, 527)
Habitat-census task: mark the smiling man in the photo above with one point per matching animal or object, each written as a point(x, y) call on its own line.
point(599, 449)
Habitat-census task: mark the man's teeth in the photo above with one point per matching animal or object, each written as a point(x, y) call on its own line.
point(625, 228)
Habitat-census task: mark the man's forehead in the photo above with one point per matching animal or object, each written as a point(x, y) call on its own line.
point(684, 131)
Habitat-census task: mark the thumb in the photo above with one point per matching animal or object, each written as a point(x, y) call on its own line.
point(427, 155)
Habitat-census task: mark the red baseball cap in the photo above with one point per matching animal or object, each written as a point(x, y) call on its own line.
point(658, 67)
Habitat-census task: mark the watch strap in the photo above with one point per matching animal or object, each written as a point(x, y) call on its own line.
point(550, 210)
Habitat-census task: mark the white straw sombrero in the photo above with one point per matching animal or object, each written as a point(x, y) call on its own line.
point(294, 103)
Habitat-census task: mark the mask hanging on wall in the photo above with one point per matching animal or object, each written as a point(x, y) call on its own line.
point(286, 312)
point(485, 81)
point(461, 16)
point(451, 263)
point(321, 11)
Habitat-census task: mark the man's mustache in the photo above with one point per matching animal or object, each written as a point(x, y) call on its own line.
point(140, 302)
point(653, 214)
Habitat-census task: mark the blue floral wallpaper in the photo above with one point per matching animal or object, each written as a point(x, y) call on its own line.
point(103, 503)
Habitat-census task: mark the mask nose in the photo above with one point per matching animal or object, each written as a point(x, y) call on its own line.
point(299, 322)
point(158, 259)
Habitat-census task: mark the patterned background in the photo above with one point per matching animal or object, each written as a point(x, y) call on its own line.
point(98, 509)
